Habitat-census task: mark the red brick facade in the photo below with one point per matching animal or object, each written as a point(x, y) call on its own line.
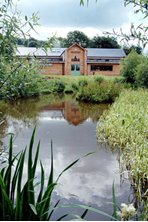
point(76, 60)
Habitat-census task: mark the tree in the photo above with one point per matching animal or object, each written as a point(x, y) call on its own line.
point(129, 49)
point(17, 77)
point(104, 42)
point(76, 37)
point(129, 65)
point(33, 43)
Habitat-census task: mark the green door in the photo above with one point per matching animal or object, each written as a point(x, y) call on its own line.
point(75, 70)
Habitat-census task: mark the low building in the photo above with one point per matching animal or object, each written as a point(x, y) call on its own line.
point(76, 60)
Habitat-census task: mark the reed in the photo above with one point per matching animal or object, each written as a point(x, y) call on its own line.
point(19, 200)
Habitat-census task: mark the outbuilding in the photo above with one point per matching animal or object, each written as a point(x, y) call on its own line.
point(76, 60)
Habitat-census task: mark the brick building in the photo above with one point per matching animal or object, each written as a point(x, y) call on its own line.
point(75, 60)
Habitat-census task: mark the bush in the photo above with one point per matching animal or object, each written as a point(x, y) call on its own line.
point(142, 74)
point(58, 86)
point(103, 92)
point(98, 79)
point(129, 65)
point(83, 82)
point(18, 79)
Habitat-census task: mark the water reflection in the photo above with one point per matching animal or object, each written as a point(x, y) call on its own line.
point(71, 126)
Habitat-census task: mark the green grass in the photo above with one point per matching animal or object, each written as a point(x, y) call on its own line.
point(85, 88)
point(125, 125)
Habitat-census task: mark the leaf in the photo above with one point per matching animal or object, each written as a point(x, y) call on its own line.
point(114, 203)
point(33, 209)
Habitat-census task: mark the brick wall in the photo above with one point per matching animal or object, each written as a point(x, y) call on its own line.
point(75, 52)
point(55, 68)
point(114, 72)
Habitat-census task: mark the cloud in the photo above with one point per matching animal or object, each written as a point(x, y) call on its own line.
point(69, 13)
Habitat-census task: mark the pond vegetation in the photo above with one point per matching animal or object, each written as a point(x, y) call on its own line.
point(124, 126)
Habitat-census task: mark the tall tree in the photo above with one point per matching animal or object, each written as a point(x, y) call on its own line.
point(129, 49)
point(104, 42)
point(76, 37)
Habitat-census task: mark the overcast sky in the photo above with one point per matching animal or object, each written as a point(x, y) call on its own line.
point(62, 16)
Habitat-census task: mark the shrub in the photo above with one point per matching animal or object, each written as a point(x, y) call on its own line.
point(98, 79)
point(58, 86)
point(75, 86)
point(129, 64)
point(142, 74)
point(69, 89)
point(94, 92)
point(18, 79)
point(83, 82)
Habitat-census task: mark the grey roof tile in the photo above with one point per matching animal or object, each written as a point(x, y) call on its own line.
point(91, 52)
point(105, 52)
point(31, 51)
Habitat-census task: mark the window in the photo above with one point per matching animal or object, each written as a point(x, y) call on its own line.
point(101, 68)
point(72, 67)
point(77, 67)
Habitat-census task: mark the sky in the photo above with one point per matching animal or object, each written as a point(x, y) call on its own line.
point(61, 16)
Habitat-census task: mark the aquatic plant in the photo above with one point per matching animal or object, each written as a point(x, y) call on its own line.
point(18, 197)
point(125, 126)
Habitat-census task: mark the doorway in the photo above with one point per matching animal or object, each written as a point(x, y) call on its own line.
point(75, 70)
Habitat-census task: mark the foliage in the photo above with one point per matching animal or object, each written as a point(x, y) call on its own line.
point(136, 33)
point(125, 126)
point(104, 42)
point(83, 82)
point(18, 79)
point(76, 37)
point(98, 79)
point(99, 92)
point(58, 86)
point(142, 73)
point(129, 65)
point(12, 24)
point(19, 199)
point(128, 49)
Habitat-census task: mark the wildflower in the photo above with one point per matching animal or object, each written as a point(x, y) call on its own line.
point(127, 211)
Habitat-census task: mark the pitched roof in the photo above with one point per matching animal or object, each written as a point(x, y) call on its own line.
point(31, 51)
point(92, 52)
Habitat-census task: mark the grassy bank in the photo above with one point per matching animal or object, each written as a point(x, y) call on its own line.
point(85, 88)
point(125, 125)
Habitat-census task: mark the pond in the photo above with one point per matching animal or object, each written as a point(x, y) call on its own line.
point(72, 128)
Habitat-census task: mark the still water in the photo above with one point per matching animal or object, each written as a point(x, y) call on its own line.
point(72, 128)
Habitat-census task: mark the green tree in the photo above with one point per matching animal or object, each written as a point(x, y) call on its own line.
point(142, 73)
point(33, 43)
point(76, 37)
point(16, 78)
point(128, 49)
point(104, 42)
point(129, 66)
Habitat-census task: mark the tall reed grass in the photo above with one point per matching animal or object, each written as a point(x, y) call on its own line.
point(19, 200)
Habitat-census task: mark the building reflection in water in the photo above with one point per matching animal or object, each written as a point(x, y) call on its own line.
point(68, 110)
